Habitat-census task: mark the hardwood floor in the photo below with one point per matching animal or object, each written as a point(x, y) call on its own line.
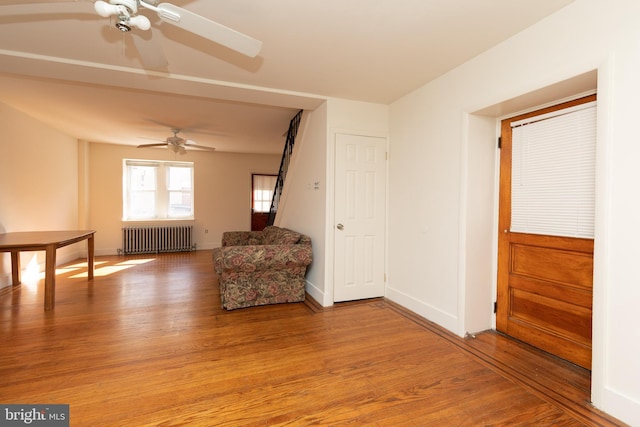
point(146, 344)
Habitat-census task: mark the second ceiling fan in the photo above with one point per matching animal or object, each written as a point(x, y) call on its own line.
point(177, 144)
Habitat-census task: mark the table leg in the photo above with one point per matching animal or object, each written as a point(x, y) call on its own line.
point(15, 267)
point(90, 257)
point(50, 277)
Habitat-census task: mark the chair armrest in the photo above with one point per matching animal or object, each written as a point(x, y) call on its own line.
point(264, 257)
point(241, 238)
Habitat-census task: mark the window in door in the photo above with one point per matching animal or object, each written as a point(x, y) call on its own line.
point(553, 173)
point(262, 187)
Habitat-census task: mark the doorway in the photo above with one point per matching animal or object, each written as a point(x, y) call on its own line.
point(545, 238)
point(262, 187)
point(360, 217)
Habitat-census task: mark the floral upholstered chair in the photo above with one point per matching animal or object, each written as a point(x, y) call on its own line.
point(262, 267)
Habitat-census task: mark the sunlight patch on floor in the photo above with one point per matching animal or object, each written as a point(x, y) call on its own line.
point(103, 271)
point(30, 275)
point(83, 264)
point(136, 261)
point(74, 267)
point(110, 269)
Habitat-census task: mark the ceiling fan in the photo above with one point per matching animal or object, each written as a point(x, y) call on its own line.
point(177, 144)
point(127, 17)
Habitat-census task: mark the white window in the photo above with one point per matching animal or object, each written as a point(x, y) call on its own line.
point(263, 186)
point(157, 190)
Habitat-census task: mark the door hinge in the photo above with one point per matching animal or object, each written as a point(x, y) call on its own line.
point(499, 142)
point(495, 307)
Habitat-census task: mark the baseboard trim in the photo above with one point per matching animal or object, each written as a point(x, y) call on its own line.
point(444, 319)
point(621, 406)
point(314, 292)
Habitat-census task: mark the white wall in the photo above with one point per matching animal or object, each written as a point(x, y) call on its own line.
point(617, 251)
point(310, 210)
point(435, 163)
point(222, 185)
point(38, 184)
point(478, 188)
point(302, 206)
point(346, 117)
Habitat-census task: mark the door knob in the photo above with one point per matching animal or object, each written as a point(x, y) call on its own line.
point(340, 227)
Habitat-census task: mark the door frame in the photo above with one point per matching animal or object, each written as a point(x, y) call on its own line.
point(330, 212)
point(534, 104)
point(253, 213)
point(533, 97)
point(503, 213)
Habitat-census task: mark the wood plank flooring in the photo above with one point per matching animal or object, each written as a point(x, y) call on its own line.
point(147, 344)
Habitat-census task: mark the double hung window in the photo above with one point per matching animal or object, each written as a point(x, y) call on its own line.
point(157, 190)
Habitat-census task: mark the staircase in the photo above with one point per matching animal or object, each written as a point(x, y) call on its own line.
point(284, 166)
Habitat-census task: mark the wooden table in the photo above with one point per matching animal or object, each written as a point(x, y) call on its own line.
point(48, 241)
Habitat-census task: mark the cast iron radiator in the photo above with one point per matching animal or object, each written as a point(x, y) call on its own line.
point(157, 239)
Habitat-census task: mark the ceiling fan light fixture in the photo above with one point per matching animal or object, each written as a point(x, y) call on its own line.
point(178, 149)
point(126, 11)
point(106, 10)
point(122, 26)
point(140, 21)
point(130, 5)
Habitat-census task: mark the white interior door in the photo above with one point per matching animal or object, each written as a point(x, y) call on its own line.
point(360, 205)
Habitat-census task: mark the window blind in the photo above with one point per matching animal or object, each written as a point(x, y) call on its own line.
point(553, 173)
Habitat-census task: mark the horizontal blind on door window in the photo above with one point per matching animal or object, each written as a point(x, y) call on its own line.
point(553, 174)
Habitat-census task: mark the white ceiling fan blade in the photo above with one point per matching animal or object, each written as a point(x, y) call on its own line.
point(152, 145)
point(209, 29)
point(154, 139)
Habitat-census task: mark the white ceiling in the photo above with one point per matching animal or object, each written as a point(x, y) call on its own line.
point(76, 72)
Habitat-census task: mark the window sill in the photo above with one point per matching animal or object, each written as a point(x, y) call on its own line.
point(176, 221)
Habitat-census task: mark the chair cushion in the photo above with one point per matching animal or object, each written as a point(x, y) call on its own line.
point(280, 236)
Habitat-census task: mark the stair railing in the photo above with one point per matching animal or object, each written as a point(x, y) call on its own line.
point(284, 166)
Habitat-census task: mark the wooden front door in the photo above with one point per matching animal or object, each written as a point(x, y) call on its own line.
point(544, 281)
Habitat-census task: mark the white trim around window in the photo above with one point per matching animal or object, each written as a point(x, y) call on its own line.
point(157, 190)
